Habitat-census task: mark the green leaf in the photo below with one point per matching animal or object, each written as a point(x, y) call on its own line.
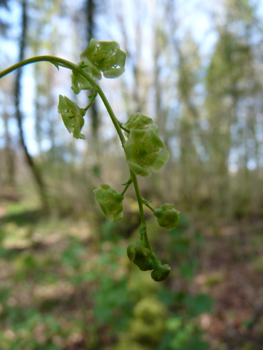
point(199, 304)
point(188, 268)
point(196, 344)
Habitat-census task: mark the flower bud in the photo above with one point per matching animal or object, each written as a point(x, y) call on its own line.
point(167, 216)
point(140, 256)
point(160, 273)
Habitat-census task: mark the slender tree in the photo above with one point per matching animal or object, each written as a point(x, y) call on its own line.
point(90, 10)
point(230, 89)
point(35, 171)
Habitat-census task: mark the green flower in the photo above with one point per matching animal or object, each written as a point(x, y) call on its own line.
point(106, 57)
point(167, 216)
point(140, 256)
point(99, 56)
point(144, 149)
point(139, 121)
point(72, 116)
point(147, 260)
point(110, 202)
point(160, 273)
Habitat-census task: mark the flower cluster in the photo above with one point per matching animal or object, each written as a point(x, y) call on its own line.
point(144, 149)
point(147, 260)
point(110, 202)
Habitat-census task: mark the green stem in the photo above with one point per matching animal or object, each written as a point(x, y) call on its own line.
point(140, 203)
point(57, 61)
point(127, 185)
point(145, 202)
point(92, 100)
point(123, 128)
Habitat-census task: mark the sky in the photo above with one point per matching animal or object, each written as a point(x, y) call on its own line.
point(194, 16)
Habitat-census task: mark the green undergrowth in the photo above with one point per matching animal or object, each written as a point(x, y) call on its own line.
point(66, 285)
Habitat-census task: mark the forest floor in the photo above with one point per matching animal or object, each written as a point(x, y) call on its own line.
point(231, 271)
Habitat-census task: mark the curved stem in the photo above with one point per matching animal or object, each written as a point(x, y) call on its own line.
point(57, 61)
point(123, 128)
point(92, 100)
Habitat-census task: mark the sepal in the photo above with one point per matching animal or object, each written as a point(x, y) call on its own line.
point(79, 82)
point(110, 202)
point(72, 116)
point(106, 57)
point(144, 149)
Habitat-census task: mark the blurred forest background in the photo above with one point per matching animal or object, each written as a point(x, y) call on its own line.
point(196, 68)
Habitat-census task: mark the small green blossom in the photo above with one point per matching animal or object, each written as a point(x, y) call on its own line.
point(140, 256)
point(110, 202)
point(72, 116)
point(160, 273)
point(106, 57)
point(139, 121)
point(99, 56)
point(144, 149)
point(167, 216)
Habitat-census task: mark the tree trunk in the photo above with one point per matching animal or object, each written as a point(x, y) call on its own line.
point(9, 155)
point(93, 110)
point(35, 171)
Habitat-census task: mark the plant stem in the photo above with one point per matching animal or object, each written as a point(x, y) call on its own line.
point(128, 183)
point(57, 61)
point(92, 100)
point(123, 128)
point(140, 203)
point(145, 202)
